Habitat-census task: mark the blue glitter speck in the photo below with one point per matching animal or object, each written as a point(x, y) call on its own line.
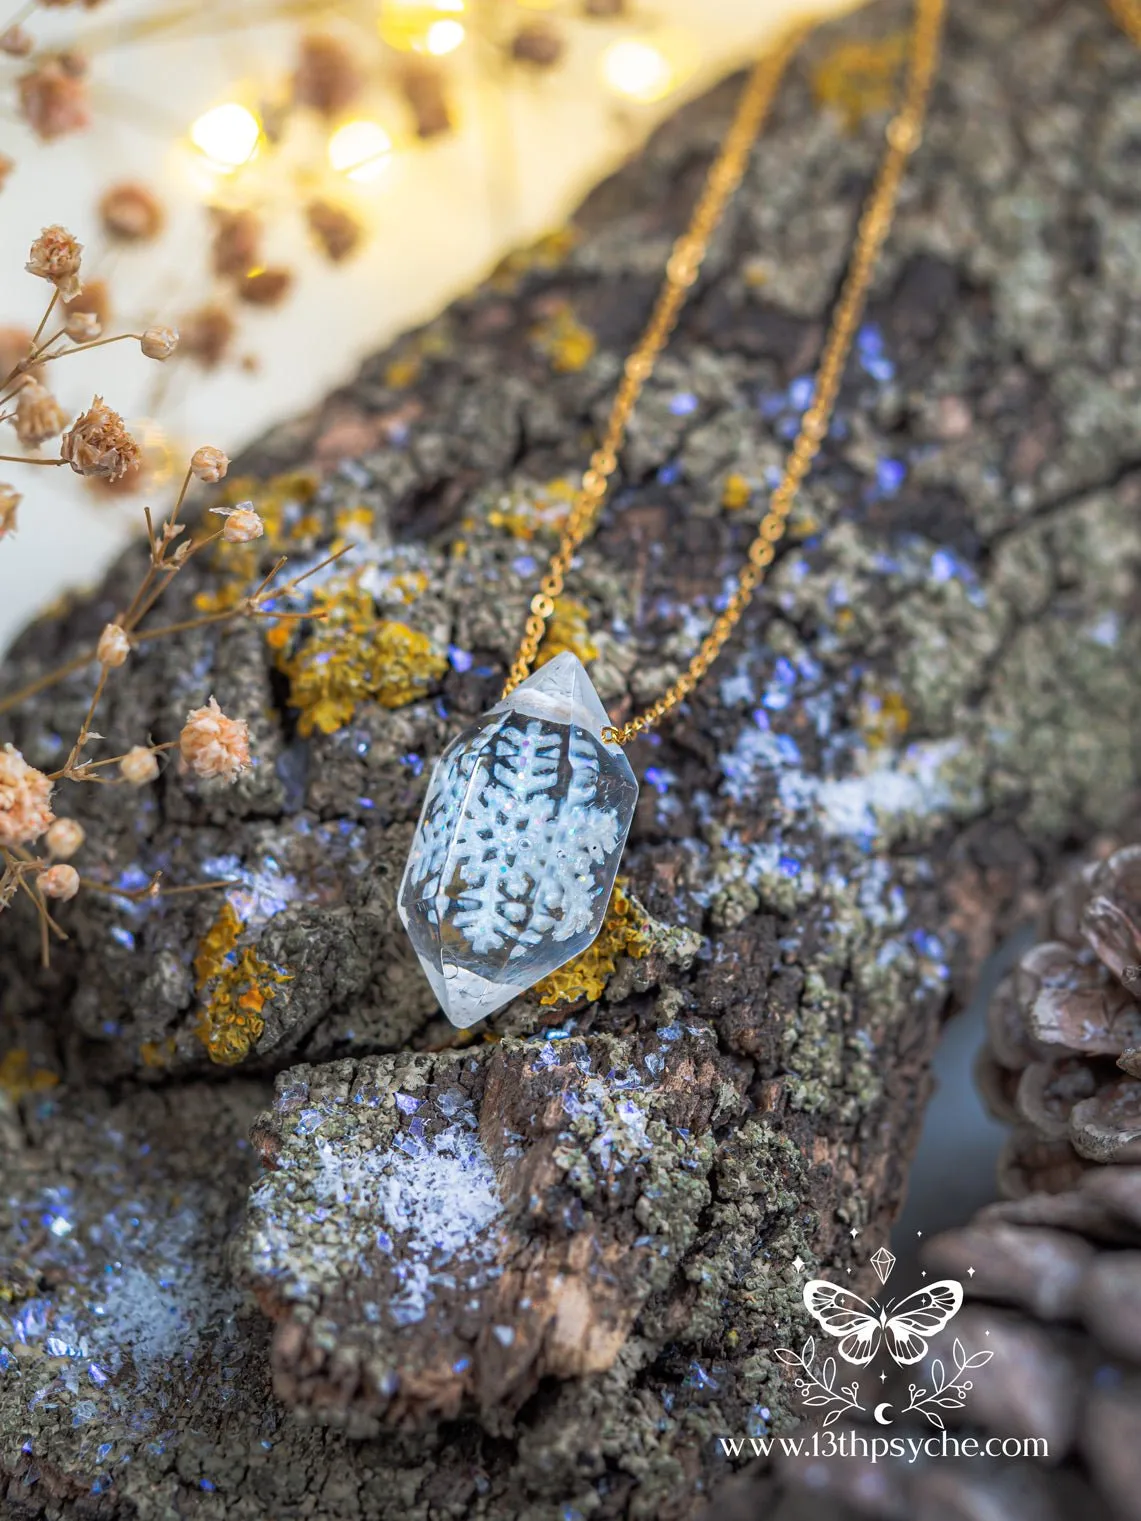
point(890, 475)
point(683, 404)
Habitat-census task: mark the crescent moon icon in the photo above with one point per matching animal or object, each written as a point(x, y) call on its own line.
point(880, 1416)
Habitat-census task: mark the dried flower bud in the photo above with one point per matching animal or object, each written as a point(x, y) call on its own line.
point(206, 334)
point(212, 745)
point(55, 256)
point(242, 523)
point(53, 100)
point(139, 766)
point(25, 799)
point(6, 166)
point(538, 44)
point(64, 838)
point(38, 415)
point(209, 464)
point(94, 298)
point(97, 444)
point(266, 287)
point(421, 83)
point(604, 10)
point(236, 248)
point(327, 78)
point(9, 501)
point(159, 342)
point(114, 645)
point(16, 42)
point(60, 882)
point(82, 327)
point(337, 230)
point(131, 213)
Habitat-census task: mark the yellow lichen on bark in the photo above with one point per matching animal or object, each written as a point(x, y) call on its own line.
point(237, 984)
point(624, 933)
point(352, 656)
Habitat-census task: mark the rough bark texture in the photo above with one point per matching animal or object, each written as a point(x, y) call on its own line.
point(539, 1274)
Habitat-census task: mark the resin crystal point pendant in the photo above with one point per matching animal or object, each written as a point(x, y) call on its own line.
point(518, 844)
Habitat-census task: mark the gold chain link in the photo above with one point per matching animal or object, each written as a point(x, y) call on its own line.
point(903, 136)
point(1127, 14)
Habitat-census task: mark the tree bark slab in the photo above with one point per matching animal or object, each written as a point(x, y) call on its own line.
point(548, 1268)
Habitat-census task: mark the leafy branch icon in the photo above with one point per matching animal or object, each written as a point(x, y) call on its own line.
point(819, 1389)
point(949, 1391)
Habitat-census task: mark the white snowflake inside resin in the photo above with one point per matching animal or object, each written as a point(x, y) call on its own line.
point(518, 843)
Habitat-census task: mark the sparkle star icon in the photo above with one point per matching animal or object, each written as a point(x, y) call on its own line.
point(798, 1263)
point(923, 1274)
point(919, 1233)
point(970, 1272)
point(854, 1232)
point(883, 1378)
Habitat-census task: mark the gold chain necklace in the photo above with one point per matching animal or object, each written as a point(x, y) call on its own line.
point(518, 844)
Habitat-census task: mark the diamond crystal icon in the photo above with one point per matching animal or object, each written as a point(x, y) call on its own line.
point(515, 855)
point(883, 1262)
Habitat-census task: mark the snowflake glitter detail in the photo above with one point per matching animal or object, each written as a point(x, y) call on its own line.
point(883, 1262)
point(518, 844)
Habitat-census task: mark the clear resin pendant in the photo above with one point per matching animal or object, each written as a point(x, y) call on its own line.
point(518, 843)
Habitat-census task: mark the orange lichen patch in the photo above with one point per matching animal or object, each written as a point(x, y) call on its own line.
point(547, 254)
point(735, 493)
point(18, 1077)
point(526, 514)
point(403, 371)
point(857, 79)
point(157, 1054)
point(567, 630)
point(884, 718)
point(352, 656)
point(625, 932)
point(566, 342)
point(238, 984)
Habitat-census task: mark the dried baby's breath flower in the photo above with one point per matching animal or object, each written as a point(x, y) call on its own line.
point(338, 231)
point(139, 766)
point(64, 838)
point(60, 882)
point(538, 44)
point(10, 499)
point(242, 523)
point(94, 298)
point(422, 85)
point(159, 342)
point(56, 255)
point(38, 415)
point(53, 100)
point(114, 646)
point(25, 799)
point(82, 327)
point(16, 42)
point(266, 287)
point(6, 166)
point(327, 78)
point(209, 464)
point(206, 334)
point(236, 247)
point(212, 745)
point(97, 444)
point(131, 213)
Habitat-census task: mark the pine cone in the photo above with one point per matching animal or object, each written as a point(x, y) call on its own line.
point(1056, 1296)
point(1063, 1054)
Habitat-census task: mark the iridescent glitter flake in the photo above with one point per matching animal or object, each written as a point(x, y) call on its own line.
point(518, 844)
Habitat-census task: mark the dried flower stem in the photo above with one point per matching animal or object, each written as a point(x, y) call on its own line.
point(25, 459)
point(152, 888)
point(81, 773)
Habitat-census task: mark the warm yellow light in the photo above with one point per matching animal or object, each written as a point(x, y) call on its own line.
point(228, 136)
point(638, 70)
point(359, 150)
point(411, 25)
point(443, 37)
